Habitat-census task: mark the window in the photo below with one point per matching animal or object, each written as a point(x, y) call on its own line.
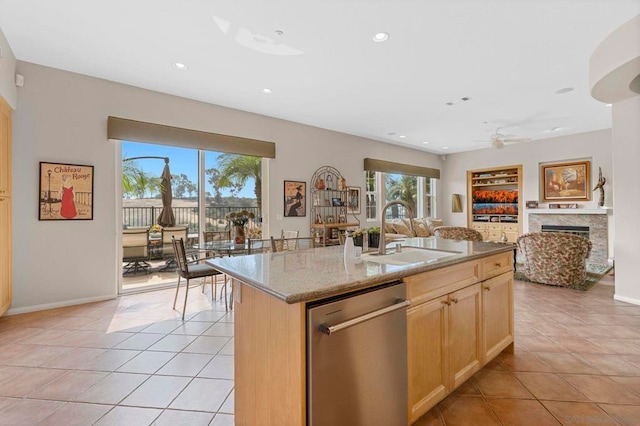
point(429, 203)
point(404, 188)
point(418, 192)
point(371, 195)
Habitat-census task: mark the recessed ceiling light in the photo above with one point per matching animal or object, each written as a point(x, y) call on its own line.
point(380, 37)
point(392, 133)
point(402, 136)
point(266, 91)
point(180, 66)
point(553, 129)
point(564, 90)
point(445, 147)
point(425, 142)
point(607, 105)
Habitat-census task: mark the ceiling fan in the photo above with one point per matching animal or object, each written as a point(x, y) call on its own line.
point(499, 140)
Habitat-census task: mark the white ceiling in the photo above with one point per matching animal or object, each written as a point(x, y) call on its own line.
point(508, 56)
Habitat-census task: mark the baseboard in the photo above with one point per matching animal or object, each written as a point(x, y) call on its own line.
point(626, 299)
point(62, 304)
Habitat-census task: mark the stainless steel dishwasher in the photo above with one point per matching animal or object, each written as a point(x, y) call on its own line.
point(357, 359)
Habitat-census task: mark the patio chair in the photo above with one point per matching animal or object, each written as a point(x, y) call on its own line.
point(457, 233)
point(190, 270)
point(555, 258)
point(168, 233)
point(291, 244)
point(135, 250)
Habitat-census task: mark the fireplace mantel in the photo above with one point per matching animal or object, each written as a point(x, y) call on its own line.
point(603, 210)
point(596, 219)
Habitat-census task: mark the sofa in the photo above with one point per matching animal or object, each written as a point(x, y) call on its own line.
point(415, 227)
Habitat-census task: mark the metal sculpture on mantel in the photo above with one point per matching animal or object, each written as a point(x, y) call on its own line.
point(601, 181)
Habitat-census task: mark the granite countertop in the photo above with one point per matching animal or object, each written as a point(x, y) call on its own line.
point(305, 275)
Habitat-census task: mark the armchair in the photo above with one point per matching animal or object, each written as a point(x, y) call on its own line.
point(457, 233)
point(554, 258)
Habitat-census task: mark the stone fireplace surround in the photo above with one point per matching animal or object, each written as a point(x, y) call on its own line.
point(595, 219)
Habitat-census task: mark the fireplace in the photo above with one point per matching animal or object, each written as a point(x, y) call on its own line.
point(582, 231)
point(591, 224)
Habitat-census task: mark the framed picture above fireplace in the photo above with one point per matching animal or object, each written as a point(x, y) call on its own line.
point(568, 181)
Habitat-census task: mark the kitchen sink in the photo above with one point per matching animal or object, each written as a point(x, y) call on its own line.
point(409, 255)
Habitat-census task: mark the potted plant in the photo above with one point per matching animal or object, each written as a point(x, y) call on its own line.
point(374, 236)
point(239, 221)
point(358, 237)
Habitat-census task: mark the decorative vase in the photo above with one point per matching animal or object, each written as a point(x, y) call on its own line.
point(239, 238)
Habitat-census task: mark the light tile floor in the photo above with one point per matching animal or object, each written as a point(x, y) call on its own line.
point(132, 361)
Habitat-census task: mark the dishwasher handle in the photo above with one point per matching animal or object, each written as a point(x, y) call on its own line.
point(331, 329)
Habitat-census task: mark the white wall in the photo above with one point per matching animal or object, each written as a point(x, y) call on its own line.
point(62, 117)
point(595, 146)
point(7, 72)
point(626, 156)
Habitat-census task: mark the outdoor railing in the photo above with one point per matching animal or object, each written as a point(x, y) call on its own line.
point(215, 217)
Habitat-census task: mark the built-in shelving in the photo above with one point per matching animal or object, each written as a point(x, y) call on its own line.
point(494, 206)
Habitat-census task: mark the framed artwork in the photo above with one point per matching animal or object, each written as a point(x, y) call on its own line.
point(532, 204)
point(295, 198)
point(336, 202)
point(566, 181)
point(353, 200)
point(66, 192)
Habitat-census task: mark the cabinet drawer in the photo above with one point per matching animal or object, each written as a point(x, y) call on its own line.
point(495, 235)
point(479, 226)
point(495, 227)
point(429, 285)
point(497, 264)
point(510, 227)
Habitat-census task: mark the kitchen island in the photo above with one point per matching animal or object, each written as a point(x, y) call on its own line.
point(460, 317)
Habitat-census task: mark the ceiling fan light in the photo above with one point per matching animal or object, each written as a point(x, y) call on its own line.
point(497, 143)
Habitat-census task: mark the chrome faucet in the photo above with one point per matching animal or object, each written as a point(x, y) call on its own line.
point(382, 244)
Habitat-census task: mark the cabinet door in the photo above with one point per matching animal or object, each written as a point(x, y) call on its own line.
point(481, 228)
point(512, 236)
point(5, 254)
point(464, 337)
point(426, 356)
point(497, 311)
point(5, 149)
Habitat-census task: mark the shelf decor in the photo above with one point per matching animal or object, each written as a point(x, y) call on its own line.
point(569, 181)
point(66, 192)
point(332, 202)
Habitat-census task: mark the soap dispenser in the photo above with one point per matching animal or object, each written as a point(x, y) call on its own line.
point(349, 248)
point(503, 238)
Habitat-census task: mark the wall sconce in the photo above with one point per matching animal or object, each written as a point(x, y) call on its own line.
point(456, 203)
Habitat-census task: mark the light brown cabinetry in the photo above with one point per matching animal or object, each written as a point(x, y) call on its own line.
point(5, 207)
point(497, 311)
point(494, 206)
point(460, 318)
